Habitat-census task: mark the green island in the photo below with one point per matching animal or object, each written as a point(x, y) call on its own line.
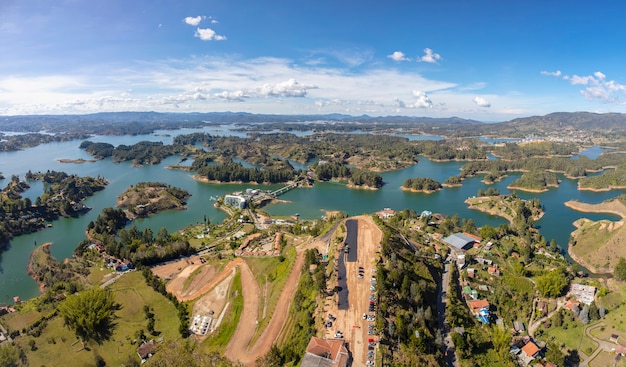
point(535, 181)
point(419, 184)
point(148, 198)
point(63, 197)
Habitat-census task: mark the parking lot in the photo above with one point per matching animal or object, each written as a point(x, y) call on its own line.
point(354, 320)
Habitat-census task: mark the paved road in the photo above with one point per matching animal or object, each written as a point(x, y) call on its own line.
point(603, 346)
point(442, 298)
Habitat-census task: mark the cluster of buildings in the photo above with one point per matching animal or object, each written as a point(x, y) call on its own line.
point(112, 262)
point(200, 324)
point(241, 200)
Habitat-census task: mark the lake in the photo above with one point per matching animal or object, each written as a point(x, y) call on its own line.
point(310, 203)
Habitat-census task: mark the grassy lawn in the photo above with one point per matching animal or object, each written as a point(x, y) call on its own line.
point(97, 274)
point(573, 337)
point(220, 339)
point(22, 319)
point(54, 346)
point(614, 323)
point(603, 359)
point(270, 274)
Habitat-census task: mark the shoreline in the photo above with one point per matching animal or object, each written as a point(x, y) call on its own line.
point(77, 161)
point(604, 189)
point(29, 265)
point(510, 187)
point(422, 191)
point(611, 207)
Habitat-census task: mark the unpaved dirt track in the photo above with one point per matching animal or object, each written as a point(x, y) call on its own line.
point(207, 287)
point(238, 345)
point(238, 348)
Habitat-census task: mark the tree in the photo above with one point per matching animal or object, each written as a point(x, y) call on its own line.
point(552, 283)
point(584, 315)
point(554, 354)
point(90, 313)
point(619, 271)
point(9, 356)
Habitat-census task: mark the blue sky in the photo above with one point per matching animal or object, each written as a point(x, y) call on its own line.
point(485, 60)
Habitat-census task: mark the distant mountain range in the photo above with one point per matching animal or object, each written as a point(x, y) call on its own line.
point(143, 122)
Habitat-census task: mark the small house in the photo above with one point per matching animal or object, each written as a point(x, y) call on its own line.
point(146, 350)
point(477, 304)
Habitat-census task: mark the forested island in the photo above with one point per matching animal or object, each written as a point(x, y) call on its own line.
point(535, 181)
point(420, 184)
point(147, 198)
point(63, 196)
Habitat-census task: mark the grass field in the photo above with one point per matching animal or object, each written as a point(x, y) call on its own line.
point(220, 339)
point(614, 323)
point(54, 346)
point(270, 274)
point(604, 359)
point(599, 244)
point(573, 337)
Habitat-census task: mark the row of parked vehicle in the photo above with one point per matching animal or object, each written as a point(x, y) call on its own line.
point(371, 354)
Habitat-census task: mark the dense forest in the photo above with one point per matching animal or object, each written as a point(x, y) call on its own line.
point(236, 172)
point(325, 171)
point(536, 181)
point(407, 295)
point(141, 247)
point(143, 152)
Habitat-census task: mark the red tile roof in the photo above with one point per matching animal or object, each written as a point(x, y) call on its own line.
point(530, 349)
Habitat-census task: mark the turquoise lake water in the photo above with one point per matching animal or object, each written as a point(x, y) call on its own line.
point(310, 203)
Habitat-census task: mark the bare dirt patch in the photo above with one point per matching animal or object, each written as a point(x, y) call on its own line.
point(350, 322)
point(213, 302)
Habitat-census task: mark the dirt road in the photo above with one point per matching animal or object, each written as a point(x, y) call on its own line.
point(239, 348)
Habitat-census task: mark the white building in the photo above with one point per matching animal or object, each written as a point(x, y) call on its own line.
point(236, 201)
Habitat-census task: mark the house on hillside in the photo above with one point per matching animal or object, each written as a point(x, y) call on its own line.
point(386, 213)
point(529, 352)
point(146, 350)
point(583, 293)
point(325, 353)
point(476, 305)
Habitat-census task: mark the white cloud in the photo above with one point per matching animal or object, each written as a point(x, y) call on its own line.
point(398, 56)
point(481, 102)
point(194, 21)
point(430, 56)
point(236, 96)
point(289, 88)
point(207, 34)
point(552, 73)
point(206, 83)
point(597, 87)
point(422, 100)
